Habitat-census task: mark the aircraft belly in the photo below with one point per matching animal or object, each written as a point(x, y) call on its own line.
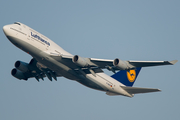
point(90, 84)
point(95, 82)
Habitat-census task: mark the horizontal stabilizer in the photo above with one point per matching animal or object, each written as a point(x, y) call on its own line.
point(136, 90)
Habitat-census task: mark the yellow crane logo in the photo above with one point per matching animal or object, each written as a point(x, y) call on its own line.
point(131, 75)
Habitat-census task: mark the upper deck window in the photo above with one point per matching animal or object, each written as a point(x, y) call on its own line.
point(17, 23)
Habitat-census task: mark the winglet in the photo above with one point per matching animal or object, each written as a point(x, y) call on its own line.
point(173, 62)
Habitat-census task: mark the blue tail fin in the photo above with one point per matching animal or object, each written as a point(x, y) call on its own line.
point(127, 77)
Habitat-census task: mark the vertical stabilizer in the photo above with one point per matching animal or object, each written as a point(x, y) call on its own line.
point(127, 77)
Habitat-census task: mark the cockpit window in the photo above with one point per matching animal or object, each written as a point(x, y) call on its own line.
point(17, 23)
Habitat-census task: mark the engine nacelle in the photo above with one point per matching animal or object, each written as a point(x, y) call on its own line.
point(22, 66)
point(18, 74)
point(79, 61)
point(121, 65)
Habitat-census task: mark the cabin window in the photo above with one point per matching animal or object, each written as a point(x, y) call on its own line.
point(17, 23)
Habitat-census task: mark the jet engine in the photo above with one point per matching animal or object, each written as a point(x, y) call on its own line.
point(18, 74)
point(22, 66)
point(121, 65)
point(80, 61)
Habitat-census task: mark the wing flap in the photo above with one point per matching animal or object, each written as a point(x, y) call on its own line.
point(136, 90)
point(102, 63)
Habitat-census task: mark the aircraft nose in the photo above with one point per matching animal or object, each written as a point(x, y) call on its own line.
point(6, 29)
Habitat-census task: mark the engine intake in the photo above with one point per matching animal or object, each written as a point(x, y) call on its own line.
point(22, 66)
point(80, 61)
point(121, 65)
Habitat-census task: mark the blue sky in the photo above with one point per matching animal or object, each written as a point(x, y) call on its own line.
point(129, 30)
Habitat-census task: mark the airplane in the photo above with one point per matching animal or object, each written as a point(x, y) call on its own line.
point(51, 61)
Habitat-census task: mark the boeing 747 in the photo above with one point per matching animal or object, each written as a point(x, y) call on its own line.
point(51, 61)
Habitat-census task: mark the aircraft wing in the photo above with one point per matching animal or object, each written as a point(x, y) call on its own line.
point(104, 62)
point(151, 63)
point(136, 90)
point(108, 64)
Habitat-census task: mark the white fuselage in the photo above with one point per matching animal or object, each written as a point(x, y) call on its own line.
point(42, 48)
